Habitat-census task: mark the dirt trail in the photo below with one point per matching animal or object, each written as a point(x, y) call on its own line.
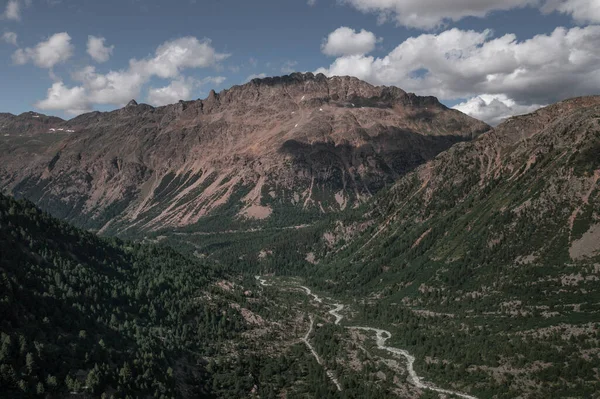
point(306, 340)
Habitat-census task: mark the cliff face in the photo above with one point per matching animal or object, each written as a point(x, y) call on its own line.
point(299, 144)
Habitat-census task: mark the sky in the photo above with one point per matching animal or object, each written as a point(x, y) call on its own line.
point(488, 58)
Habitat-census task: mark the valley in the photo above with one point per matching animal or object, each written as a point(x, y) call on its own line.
point(185, 250)
point(381, 336)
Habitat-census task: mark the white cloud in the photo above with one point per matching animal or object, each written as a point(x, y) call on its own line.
point(179, 89)
point(582, 11)
point(173, 56)
point(311, 2)
point(457, 64)
point(216, 80)
point(115, 87)
point(494, 109)
point(256, 76)
point(119, 87)
point(97, 50)
point(346, 41)
point(10, 38)
point(429, 14)
point(57, 49)
point(73, 100)
point(13, 10)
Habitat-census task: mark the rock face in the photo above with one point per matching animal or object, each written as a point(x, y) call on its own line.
point(286, 148)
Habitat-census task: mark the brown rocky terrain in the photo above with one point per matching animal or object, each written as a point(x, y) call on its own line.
point(273, 148)
point(28, 124)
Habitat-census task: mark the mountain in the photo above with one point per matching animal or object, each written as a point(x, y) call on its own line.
point(488, 257)
point(534, 176)
point(279, 151)
point(28, 124)
point(483, 262)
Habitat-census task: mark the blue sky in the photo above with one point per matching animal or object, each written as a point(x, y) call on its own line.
point(460, 53)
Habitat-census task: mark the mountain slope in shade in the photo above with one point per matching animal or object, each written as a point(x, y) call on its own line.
point(279, 149)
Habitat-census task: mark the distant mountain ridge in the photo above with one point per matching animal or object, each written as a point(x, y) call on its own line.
point(28, 123)
point(279, 149)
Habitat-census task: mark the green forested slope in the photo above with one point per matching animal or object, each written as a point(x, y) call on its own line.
point(77, 311)
point(83, 316)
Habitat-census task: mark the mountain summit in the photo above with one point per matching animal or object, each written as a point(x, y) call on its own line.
point(290, 147)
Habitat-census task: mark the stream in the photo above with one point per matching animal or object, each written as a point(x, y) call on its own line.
point(381, 336)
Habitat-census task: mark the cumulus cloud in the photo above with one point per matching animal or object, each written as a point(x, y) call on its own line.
point(346, 41)
point(429, 14)
point(98, 50)
point(311, 2)
point(457, 64)
point(12, 10)
point(114, 87)
point(73, 100)
point(173, 56)
point(179, 89)
point(10, 38)
point(120, 86)
point(57, 49)
point(494, 109)
point(582, 11)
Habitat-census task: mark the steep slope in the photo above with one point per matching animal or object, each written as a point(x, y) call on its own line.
point(538, 171)
point(77, 311)
point(488, 257)
point(282, 149)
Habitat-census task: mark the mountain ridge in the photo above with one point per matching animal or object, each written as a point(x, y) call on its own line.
point(303, 142)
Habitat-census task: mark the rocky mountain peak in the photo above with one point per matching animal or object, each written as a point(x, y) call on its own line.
point(307, 142)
